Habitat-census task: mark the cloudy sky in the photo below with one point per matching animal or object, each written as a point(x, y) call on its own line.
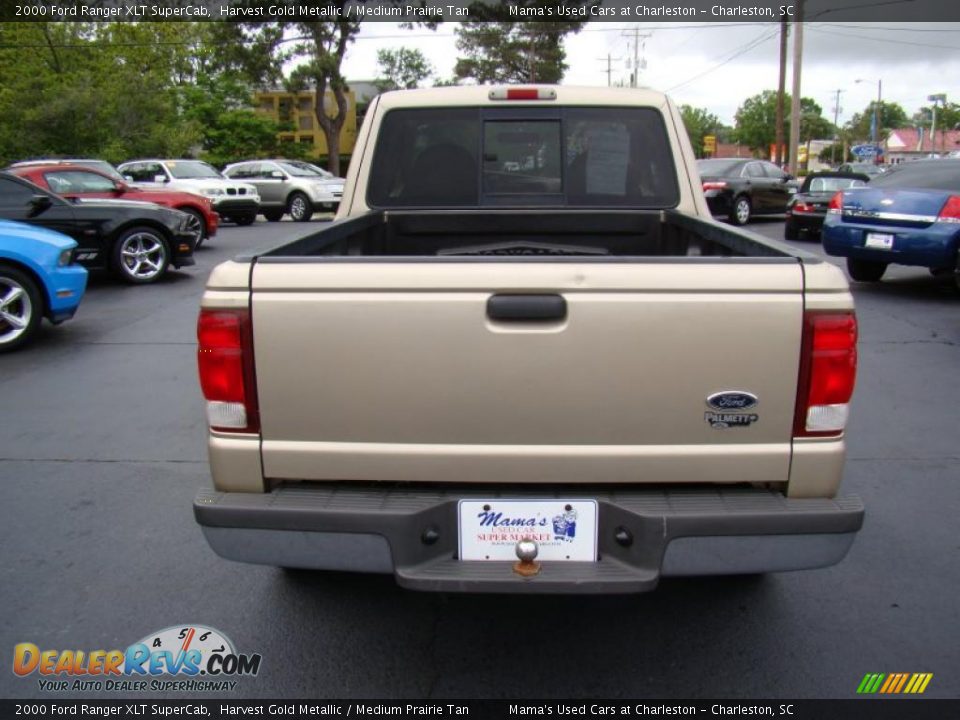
point(718, 65)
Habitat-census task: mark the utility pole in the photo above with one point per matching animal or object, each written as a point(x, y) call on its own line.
point(778, 152)
point(609, 66)
point(795, 99)
point(941, 98)
point(836, 129)
point(634, 76)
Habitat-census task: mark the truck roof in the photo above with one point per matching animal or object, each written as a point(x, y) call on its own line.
point(481, 95)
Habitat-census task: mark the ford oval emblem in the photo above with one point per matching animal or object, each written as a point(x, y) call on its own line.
point(732, 400)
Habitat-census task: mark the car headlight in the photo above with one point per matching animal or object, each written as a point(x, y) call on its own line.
point(66, 257)
point(212, 192)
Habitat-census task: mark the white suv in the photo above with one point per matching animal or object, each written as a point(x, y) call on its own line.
point(234, 201)
point(289, 186)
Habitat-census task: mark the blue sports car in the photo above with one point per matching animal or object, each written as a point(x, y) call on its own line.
point(38, 278)
point(910, 215)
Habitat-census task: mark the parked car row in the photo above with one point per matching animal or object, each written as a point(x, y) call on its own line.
point(270, 187)
point(75, 180)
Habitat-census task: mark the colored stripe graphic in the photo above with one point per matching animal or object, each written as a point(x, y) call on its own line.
point(894, 683)
point(870, 683)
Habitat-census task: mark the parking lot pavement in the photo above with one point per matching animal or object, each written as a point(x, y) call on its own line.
point(102, 449)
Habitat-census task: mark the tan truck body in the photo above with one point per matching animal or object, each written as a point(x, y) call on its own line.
point(387, 379)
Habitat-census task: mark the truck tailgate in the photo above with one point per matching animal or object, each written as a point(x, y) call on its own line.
point(393, 371)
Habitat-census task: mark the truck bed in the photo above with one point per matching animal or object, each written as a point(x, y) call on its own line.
point(525, 234)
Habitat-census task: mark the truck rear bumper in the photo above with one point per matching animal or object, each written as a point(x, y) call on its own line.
point(412, 533)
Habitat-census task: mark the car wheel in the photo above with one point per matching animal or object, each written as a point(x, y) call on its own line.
point(273, 215)
point(196, 225)
point(790, 232)
point(244, 220)
point(865, 270)
point(299, 207)
point(740, 213)
point(21, 308)
point(140, 255)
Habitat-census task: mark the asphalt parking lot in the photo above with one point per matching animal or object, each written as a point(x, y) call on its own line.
point(102, 447)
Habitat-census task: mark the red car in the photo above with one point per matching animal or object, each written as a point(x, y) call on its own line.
point(74, 180)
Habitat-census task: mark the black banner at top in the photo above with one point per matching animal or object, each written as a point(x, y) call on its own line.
point(609, 709)
point(652, 11)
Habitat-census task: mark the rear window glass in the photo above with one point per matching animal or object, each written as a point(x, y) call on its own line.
point(831, 184)
point(579, 157)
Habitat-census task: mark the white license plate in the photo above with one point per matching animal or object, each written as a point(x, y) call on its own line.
point(879, 241)
point(563, 529)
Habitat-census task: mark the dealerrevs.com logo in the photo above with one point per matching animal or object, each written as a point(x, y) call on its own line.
point(186, 658)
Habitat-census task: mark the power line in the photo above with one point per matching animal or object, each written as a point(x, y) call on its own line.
point(883, 40)
point(896, 28)
point(759, 40)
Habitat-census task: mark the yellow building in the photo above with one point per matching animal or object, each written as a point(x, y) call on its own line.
point(295, 110)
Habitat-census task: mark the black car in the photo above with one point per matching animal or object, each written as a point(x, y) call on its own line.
point(136, 240)
point(808, 207)
point(739, 189)
point(863, 168)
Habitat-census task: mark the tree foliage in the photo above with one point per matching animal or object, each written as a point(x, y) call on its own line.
point(891, 116)
point(756, 118)
point(321, 50)
point(699, 123)
point(122, 90)
point(513, 52)
point(948, 117)
point(401, 68)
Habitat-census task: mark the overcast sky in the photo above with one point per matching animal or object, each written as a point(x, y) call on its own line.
point(718, 65)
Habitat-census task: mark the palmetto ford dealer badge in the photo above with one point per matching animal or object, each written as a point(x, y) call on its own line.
point(728, 409)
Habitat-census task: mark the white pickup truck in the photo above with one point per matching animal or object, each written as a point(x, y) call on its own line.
point(525, 337)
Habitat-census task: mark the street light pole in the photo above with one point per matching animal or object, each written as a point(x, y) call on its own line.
point(941, 98)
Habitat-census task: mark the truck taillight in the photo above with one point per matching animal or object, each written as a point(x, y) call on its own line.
point(951, 210)
point(828, 369)
point(836, 203)
point(225, 361)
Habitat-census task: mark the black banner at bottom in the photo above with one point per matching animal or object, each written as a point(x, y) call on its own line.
point(893, 708)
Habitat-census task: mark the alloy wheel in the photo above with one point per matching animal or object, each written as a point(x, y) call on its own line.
point(16, 310)
point(142, 255)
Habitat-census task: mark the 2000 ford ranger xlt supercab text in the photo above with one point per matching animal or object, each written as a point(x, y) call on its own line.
point(524, 358)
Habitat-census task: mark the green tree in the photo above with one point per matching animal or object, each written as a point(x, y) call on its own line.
point(699, 123)
point(322, 49)
point(891, 116)
point(67, 91)
point(513, 52)
point(220, 106)
point(756, 117)
point(401, 68)
point(948, 117)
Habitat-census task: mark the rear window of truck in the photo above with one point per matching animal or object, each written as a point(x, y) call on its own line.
point(570, 157)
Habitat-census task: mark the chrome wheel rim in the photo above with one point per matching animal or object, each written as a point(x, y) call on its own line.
point(142, 255)
point(743, 211)
point(297, 208)
point(194, 226)
point(16, 310)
